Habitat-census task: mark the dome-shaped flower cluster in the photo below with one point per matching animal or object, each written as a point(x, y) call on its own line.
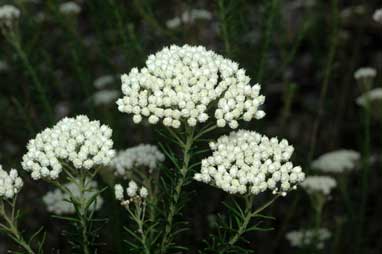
point(70, 8)
point(79, 141)
point(319, 184)
point(8, 13)
point(58, 202)
point(337, 161)
point(133, 193)
point(184, 84)
point(247, 162)
point(365, 73)
point(10, 183)
point(141, 156)
point(303, 238)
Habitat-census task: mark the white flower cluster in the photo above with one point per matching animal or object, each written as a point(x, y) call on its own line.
point(377, 16)
point(189, 16)
point(10, 183)
point(105, 97)
point(70, 8)
point(58, 202)
point(309, 237)
point(247, 162)
point(141, 156)
point(133, 192)
point(319, 184)
point(8, 13)
point(81, 142)
point(337, 161)
point(181, 83)
point(365, 73)
point(370, 96)
point(103, 81)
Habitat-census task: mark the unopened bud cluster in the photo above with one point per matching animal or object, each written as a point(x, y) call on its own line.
point(247, 162)
point(78, 141)
point(132, 193)
point(139, 157)
point(59, 202)
point(10, 183)
point(190, 84)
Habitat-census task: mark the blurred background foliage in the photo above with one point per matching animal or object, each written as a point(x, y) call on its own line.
point(303, 52)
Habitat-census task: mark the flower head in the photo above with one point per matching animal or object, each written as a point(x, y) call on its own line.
point(337, 161)
point(10, 183)
point(58, 202)
point(371, 96)
point(132, 193)
point(377, 16)
point(303, 238)
point(183, 84)
point(138, 157)
point(365, 73)
point(319, 184)
point(189, 16)
point(78, 141)
point(8, 14)
point(105, 97)
point(247, 162)
point(70, 8)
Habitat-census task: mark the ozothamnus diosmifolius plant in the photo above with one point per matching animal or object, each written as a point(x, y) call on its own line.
point(187, 93)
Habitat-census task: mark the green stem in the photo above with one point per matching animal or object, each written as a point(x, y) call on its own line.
point(140, 216)
point(11, 227)
point(173, 206)
point(15, 42)
point(248, 216)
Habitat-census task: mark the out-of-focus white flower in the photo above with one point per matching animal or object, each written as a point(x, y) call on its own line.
point(138, 157)
point(370, 96)
point(181, 83)
point(78, 141)
point(8, 14)
point(365, 73)
point(377, 16)
point(337, 161)
point(353, 11)
point(10, 183)
point(189, 16)
point(319, 184)
point(103, 81)
point(105, 97)
point(58, 202)
point(70, 8)
point(133, 193)
point(303, 238)
point(247, 162)
point(3, 66)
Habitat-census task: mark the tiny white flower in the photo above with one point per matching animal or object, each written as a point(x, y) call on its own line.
point(319, 184)
point(303, 238)
point(70, 8)
point(365, 73)
point(10, 183)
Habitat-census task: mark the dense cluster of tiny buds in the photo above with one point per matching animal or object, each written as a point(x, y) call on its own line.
point(58, 202)
point(138, 157)
point(8, 14)
point(303, 238)
point(131, 194)
point(189, 16)
point(370, 97)
point(365, 73)
point(319, 184)
point(183, 83)
point(78, 141)
point(70, 8)
point(247, 162)
point(377, 16)
point(10, 183)
point(337, 161)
